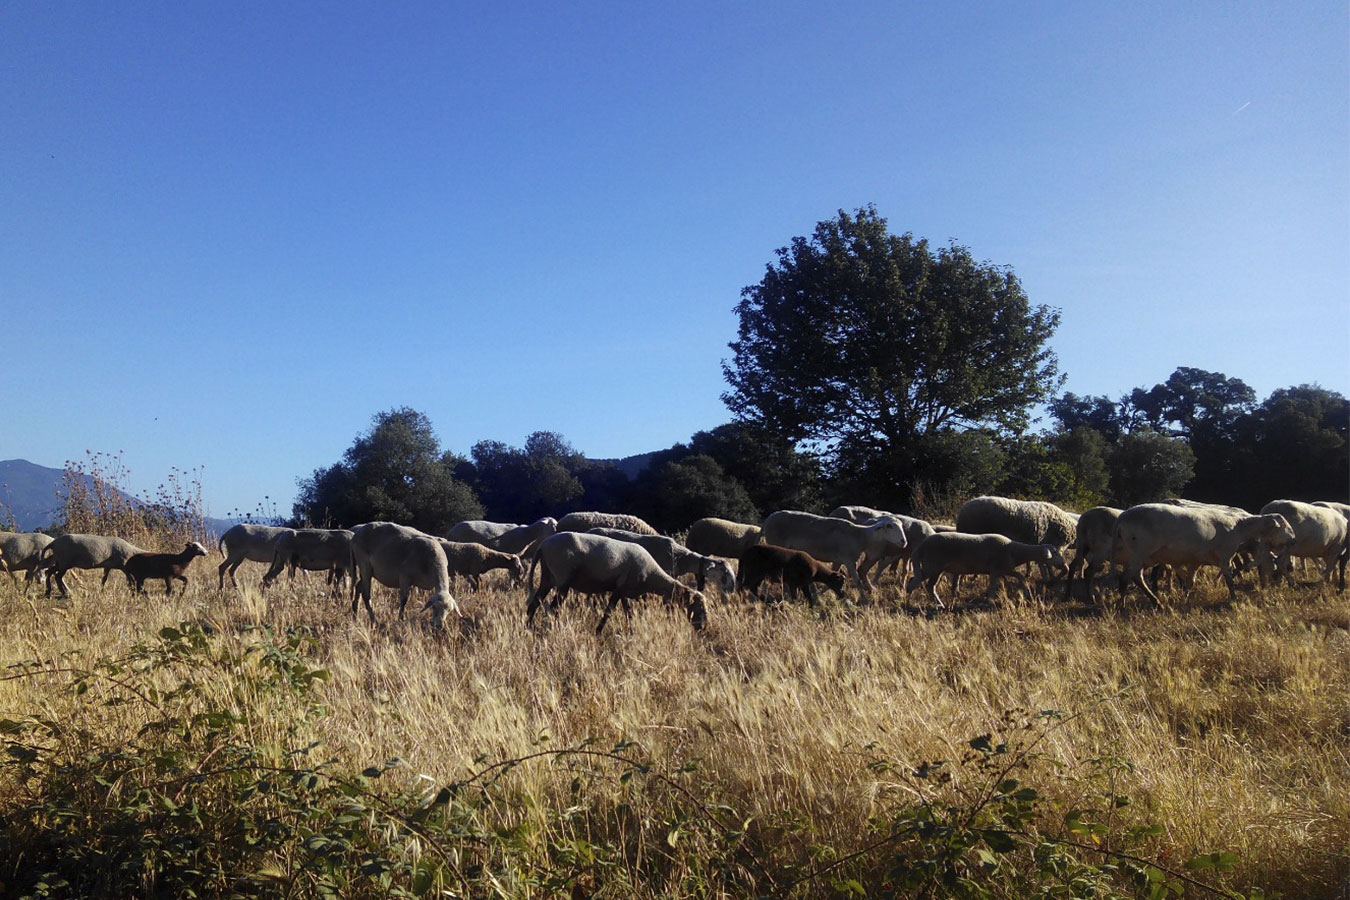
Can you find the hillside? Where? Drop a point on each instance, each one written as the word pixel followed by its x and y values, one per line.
pixel 32 496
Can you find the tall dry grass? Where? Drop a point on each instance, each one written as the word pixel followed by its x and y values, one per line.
pixel 1226 724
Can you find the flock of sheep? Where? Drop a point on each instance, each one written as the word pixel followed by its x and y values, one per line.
pixel 624 558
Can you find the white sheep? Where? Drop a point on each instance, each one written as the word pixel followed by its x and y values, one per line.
pixel 473 560
pixel 1201 504
pixel 314 550
pixel 84 551
pixel 585 521
pixel 1344 510
pixel 246 541
pixel 522 539
pixel 592 564
pixel 1025 521
pixel 721 537
pixel 1092 545
pixel 19 552
pixel 915 531
pixel 958 553
pixel 1186 538
pixel 168 566
pixel 836 541
pixel 401 557
pixel 676 559
pixel 1320 532
pixel 477 531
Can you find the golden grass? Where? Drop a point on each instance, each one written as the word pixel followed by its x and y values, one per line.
pixel 1234 719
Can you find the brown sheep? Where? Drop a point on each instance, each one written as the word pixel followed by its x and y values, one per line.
pixel 797 571
pixel 169 566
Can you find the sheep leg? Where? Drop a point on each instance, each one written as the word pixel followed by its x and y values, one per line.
pixel 537 595
pixel 1227 571
pixel 865 569
pixel 58 576
pixel 1074 565
pixel 1138 579
pixel 272 572
pixel 932 590
pixel 864 590
pixel 361 592
pixel 609 608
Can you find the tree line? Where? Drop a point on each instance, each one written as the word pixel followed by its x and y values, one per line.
pixel 871 367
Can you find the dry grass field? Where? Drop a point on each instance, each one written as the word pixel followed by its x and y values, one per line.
pixel 782 752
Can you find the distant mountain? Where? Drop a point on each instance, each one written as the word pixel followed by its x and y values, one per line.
pixel 33 496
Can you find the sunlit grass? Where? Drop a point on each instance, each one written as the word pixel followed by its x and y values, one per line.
pixel 1231 721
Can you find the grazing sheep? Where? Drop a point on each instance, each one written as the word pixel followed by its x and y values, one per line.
pixel 84 551
pixel 1342 508
pixel 19 552
pixel 915 531
pixel 522 539
pixel 592 564
pixel 1188 537
pixel 1025 521
pixel 477 531
pixel 401 557
pixel 472 560
pixel 721 537
pixel 798 572
pixel 959 553
pixel 676 559
pixel 169 566
pixel 1092 545
pixel 585 521
pixel 1320 533
pixel 836 541
pixel 314 550
pixel 1200 504
pixel 246 541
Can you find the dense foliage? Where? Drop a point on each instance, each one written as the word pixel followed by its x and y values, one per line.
pixel 394 472
pixel 871 346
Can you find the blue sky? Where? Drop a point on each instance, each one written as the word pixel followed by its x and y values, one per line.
pixel 233 232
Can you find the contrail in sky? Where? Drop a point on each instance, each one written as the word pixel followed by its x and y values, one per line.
pixel 1242 107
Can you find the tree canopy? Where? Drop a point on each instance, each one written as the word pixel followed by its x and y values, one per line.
pixel 864 341
pixel 522 484
pixel 395 472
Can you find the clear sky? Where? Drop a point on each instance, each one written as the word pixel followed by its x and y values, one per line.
pixel 233 232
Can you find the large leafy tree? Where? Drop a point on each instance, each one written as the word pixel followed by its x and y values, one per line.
pixel 1295 445
pixel 774 473
pixel 1146 466
pixel 521 484
pixel 673 493
pixel 863 341
pixel 394 472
